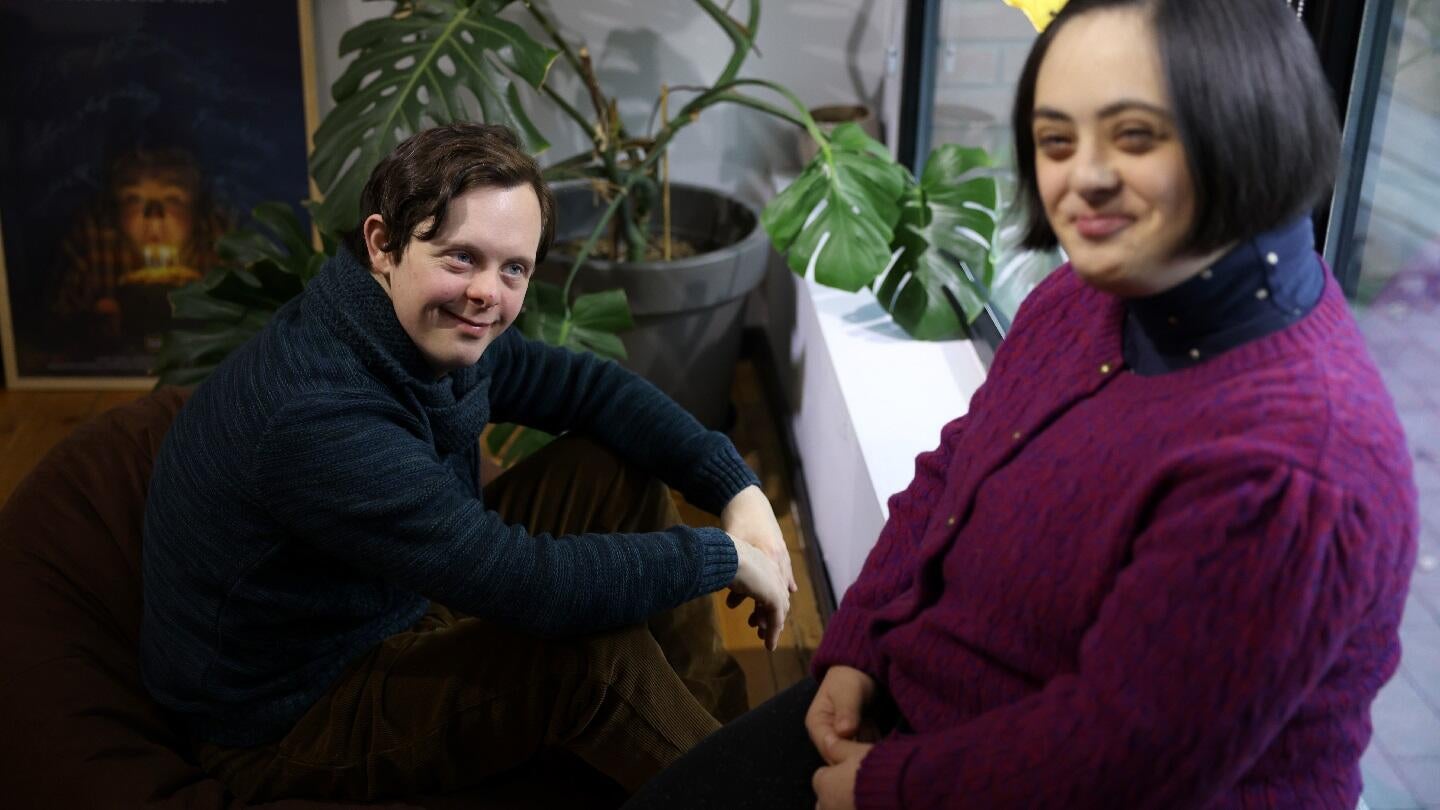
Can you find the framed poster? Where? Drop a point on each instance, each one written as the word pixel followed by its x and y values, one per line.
pixel 134 133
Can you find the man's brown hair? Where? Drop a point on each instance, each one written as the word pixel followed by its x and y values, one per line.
pixel 416 182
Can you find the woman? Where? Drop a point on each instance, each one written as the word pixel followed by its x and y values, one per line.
pixel 1162 561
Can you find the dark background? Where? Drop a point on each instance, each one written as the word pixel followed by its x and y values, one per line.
pixel 86 80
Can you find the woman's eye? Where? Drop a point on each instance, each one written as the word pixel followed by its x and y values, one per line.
pixel 1136 137
pixel 1052 143
pixel 515 269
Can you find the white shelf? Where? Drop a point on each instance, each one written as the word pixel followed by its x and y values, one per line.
pixel 867 399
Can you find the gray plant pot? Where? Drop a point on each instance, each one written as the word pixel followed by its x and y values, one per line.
pixel 688 312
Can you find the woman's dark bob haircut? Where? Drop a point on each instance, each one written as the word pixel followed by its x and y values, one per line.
pixel 1251 104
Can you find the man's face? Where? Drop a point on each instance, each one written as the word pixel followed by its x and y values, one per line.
pixel 156 215
pixel 455 294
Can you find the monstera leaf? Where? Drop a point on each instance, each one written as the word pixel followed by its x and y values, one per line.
pixel 856 214
pixel 949 217
pixel 509 442
pixel 590 325
pixel 839 216
pixel 409 72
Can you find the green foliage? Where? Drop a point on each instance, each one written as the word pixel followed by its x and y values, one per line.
pixel 592 323
pixel 420 62
pixel 508 442
pixel 854 213
pixel 840 214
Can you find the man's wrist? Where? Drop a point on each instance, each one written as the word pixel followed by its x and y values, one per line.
pixel 746 500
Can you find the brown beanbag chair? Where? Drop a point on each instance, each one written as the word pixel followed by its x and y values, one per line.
pixel 77 728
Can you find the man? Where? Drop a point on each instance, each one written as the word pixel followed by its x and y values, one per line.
pixel 320 489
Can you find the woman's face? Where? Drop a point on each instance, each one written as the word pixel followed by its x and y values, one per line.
pixel 1111 170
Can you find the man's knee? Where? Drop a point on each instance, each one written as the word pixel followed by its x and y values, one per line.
pixel 622 482
pixel 607 655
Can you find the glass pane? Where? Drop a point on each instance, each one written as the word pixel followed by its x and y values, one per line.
pixel 1396 244
pixel 981 50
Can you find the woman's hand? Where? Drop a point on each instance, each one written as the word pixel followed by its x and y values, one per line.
pixel 758 578
pixel 749 518
pixel 835 784
pixel 837 713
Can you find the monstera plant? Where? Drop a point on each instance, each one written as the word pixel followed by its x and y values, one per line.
pixel 853 218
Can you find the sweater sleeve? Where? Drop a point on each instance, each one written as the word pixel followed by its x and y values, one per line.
pixel 556 389
pixel 353 477
pixel 891 565
pixel 1244 586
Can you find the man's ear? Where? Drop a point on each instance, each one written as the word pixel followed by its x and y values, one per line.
pixel 375 233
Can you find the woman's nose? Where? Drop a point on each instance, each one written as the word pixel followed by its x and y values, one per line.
pixel 1095 179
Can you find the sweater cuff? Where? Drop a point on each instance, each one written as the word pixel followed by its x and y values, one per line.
pixel 718 561
pixel 877 785
pixel 721 476
pixel 846 642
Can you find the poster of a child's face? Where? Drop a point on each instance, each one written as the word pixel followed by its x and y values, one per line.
pixel 156 208
pixel 140 134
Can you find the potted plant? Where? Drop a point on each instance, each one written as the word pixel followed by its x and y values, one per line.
pixel 853 218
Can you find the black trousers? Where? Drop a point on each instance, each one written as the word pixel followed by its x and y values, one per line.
pixel 763 760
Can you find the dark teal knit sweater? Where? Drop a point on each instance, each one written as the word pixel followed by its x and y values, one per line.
pixel 320 488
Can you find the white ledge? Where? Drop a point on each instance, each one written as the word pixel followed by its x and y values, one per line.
pixel 869 399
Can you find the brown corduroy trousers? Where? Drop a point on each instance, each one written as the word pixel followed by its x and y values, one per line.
pixel 456 699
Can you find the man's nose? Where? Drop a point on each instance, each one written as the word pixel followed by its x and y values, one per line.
pixel 484 287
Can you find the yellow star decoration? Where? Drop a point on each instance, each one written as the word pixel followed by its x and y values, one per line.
pixel 1040 12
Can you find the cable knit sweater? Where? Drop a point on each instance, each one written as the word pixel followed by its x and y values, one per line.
pixel 1107 590
pixel 320 487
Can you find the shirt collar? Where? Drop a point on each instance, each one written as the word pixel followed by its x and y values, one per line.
pixel 1259 287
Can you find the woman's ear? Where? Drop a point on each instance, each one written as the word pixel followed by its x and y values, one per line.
pixel 375 233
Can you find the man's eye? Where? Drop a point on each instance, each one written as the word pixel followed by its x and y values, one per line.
pixel 515 269
pixel 464 256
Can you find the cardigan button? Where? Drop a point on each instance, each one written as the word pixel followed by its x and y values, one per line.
pixel 1272 258
pixel 950 521
pixel 1015 435
pixel 1104 368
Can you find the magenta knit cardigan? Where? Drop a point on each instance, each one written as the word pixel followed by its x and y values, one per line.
pixel 1109 590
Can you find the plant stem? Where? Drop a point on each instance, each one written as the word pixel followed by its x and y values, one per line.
pixel 665 171
pixel 589 246
pixel 743 37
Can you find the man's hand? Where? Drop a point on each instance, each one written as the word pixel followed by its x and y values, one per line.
pixel 838 710
pixel 749 518
pixel 835 784
pixel 756 577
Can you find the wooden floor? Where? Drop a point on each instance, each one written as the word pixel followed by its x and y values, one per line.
pixel 32 422
pixel 758 439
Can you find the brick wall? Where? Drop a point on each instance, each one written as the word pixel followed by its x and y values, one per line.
pixel 983 44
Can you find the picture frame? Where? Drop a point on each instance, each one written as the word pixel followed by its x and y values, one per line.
pixel 133 134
